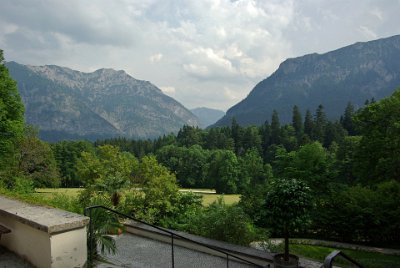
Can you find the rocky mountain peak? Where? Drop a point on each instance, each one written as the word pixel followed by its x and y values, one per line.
pixel 65 103
pixel 353 73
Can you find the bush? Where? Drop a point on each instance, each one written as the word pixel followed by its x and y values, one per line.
pixel 226 223
pixel 23 186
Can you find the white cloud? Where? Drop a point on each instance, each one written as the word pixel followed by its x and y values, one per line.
pixel 208 53
pixel 168 90
pixel 156 57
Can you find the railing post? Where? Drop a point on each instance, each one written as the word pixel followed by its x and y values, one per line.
pixel 227 261
pixel 172 251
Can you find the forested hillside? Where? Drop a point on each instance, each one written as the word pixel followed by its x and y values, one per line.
pixel 351 166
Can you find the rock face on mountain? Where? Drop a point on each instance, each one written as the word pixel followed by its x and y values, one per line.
pixel 207 116
pixel 354 73
pixel 67 104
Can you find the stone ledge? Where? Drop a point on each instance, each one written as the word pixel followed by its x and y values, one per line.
pixel 49 220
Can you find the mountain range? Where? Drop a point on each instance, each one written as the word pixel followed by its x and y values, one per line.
pixel 207 116
pixel 68 104
pixel 354 73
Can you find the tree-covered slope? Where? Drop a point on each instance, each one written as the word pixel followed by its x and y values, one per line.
pixel 67 104
pixel 354 73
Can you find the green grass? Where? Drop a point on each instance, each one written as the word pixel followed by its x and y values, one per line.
pixel 229 199
pixel 368 259
pixel 48 192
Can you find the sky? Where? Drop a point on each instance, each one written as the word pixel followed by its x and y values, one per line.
pixel 203 53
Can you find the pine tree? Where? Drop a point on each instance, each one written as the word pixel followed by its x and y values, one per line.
pixel 308 124
pixel 297 121
pixel 275 128
pixel 347 119
pixel 319 124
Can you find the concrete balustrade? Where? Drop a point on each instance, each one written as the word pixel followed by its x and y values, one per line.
pixel 45 237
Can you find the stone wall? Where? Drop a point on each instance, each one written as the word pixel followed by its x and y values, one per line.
pixel 45 237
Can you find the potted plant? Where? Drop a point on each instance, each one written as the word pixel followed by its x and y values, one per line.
pixel 288 203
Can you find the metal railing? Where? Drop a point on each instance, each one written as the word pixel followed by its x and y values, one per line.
pixel 329 259
pixel 88 212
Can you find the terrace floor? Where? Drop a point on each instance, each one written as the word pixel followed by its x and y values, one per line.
pixel 10 260
pixel 136 251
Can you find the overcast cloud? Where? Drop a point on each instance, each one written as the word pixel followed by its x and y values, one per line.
pixel 203 53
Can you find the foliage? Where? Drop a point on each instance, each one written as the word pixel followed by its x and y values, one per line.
pixel 23 186
pixel 189 164
pixel 223 171
pixel 311 164
pixel 360 214
pixel 108 170
pixel 158 194
pixel 11 121
pixel 288 205
pixel 36 160
pixel 103 223
pixel 379 149
pixel 222 222
pixel 67 154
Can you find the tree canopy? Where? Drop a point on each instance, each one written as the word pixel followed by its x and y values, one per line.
pixel 11 118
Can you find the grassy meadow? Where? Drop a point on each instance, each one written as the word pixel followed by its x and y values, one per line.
pixel 209 195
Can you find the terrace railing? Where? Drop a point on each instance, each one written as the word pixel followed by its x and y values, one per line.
pixel 228 256
pixel 329 259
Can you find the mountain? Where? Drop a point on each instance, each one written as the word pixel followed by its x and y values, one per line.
pixel 207 116
pixel 68 104
pixel 354 73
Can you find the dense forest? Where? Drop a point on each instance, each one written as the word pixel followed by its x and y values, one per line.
pixel 352 167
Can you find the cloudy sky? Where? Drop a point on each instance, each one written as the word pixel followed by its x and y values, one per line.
pixel 201 52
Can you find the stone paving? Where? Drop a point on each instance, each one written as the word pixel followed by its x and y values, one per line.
pixel 140 252
pixel 10 260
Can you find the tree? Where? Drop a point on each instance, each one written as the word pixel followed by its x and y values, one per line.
pixel 158 195
pixel 297 122
pixel 36 160
pixel 319 124
pixel 67 154
pixel 237 133
pixel 11 120
pixel 218 138
pixel 347 119
pixel 288 205
pixel 308 124
pixel 107 170
pixel 311 164
pixel 251 139
pixel 275 128
pixel 378 155
pixel 188 136
pixel 251 170
pixel 223 171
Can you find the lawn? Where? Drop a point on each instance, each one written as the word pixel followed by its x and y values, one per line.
pixel 368 259
pixel 48 192
pixel 208 196
pixel 229 199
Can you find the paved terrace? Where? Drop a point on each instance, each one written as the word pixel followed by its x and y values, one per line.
pixel 139 251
